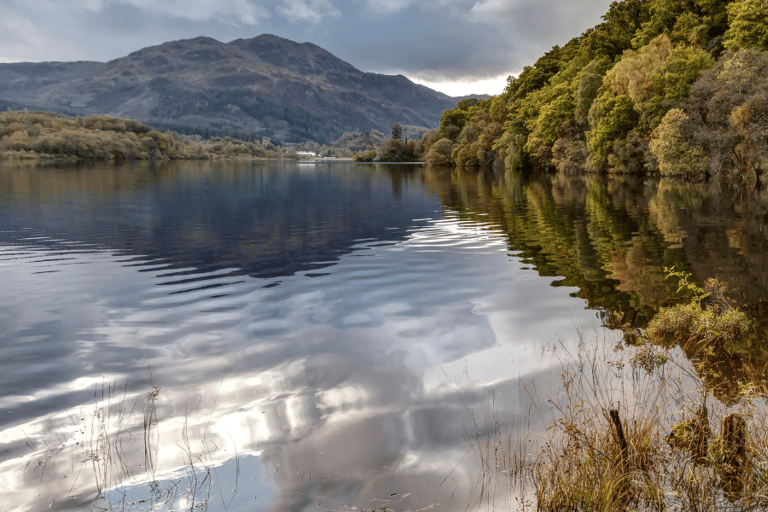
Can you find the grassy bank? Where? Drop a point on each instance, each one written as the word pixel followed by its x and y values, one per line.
pixel 639 426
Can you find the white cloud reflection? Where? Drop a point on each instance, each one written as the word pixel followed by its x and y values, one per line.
pixel 284 375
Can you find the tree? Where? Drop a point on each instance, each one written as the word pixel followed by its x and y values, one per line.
pixel 615 34
pixel 397 132
pixel 440 153
pixel 454 119
pixel 748 20
pixel 729 108
pixel 673 149
pixel 590 80
pixel 610 118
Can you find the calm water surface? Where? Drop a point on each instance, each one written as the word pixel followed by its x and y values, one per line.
pixel 314 336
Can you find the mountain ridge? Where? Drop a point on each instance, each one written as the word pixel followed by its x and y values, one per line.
pixel 266 86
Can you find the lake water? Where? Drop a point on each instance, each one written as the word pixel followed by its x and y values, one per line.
pixel 316 336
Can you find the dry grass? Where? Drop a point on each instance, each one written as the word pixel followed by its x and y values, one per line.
pixel 634 428
pixel 115 446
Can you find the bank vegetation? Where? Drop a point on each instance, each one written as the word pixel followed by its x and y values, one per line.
pixel 398 148
pixel 677 87
pixel 637 426
pixel 53 137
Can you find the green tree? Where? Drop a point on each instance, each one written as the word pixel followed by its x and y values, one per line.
pixel 619 26
pixel 397 132
pixel 673 147
pixel 610 118
pixel 590 79
pixel 440 153
pixel 748 25
pixel 534 77
pixel 554 113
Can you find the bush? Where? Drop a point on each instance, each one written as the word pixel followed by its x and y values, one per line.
pixel 686 324
pixel 440 153
pixel 673 149
pixel 365 156
pixel 707 322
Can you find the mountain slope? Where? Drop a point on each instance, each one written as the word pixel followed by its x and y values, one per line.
pixel 268 86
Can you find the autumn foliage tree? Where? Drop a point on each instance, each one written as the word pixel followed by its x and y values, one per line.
pixel 638 79
pixel 45 135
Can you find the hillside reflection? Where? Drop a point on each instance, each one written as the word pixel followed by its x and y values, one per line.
pixel 613 238
pixel 336 333
pixel 263 219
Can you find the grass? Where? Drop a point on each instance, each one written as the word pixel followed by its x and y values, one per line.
pixel 115 447
pixel 638 427
pixel 619 437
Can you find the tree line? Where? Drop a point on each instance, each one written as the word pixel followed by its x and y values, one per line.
pixel 398 148
pixel 674 86
pixel 46 135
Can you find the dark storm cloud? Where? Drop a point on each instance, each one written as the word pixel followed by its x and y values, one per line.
pixel 434 40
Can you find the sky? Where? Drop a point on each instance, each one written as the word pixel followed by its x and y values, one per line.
pixel 455 46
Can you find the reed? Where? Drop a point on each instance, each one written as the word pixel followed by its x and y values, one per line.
pixel 114 448
pixel 638 427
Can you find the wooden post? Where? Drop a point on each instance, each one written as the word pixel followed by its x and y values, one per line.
pixel 735 453
pixel 621 466
pixel 700 436
pixel 620 436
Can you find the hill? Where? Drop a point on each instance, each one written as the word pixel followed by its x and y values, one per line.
pixel 674 87
pixel 266 87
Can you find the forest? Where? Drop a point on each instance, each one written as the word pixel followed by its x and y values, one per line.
pixel 47 136
pixel 675 87
pixel 43 136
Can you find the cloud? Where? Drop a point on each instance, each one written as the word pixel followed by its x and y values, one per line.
pixel 389 6
pixel 307 10
pixel 431 41
pixel 93 5
pixel 541 19
pixel 466 87
pixel 471 40
pixel 25 40
pixel 435 41
pixel 237 11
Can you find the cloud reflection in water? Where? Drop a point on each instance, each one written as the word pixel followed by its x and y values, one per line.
pixel 363 377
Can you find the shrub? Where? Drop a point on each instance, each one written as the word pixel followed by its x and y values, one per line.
pixel 708 321
pixel 440 153
pixel 673 149
pixel 365 156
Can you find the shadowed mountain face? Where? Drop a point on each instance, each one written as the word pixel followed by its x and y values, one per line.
pixel 267 85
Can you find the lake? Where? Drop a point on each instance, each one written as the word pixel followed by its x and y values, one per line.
pixel 236 335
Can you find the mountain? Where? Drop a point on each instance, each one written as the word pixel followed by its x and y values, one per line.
pixel 266 86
